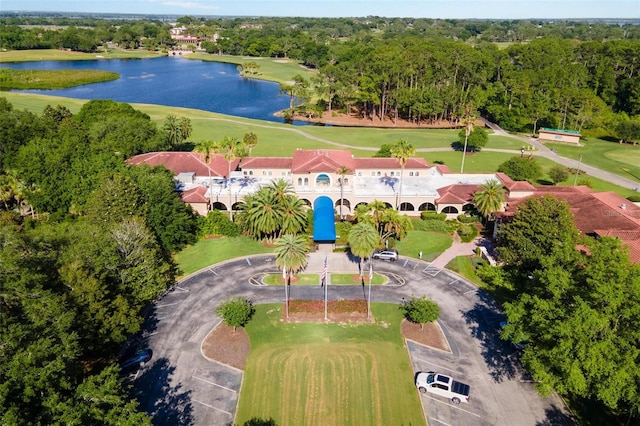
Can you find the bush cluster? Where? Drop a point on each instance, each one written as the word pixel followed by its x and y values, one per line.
pixel 217 223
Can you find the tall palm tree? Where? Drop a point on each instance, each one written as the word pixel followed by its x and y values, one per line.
pixel 401 151
pixel 291 255
pixel 263 213
pixel 250 140
pixel 208 149
pixel 490 198
pixel 363 240
pixel 234 148
pixel 342 172
pixel 172 131
pixel 395 224
pixel 185 128
pixel 6 190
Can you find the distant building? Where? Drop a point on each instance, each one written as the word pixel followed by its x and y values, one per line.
pixel 555 135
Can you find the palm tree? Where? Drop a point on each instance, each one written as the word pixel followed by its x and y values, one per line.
pixel 234 149
pixel 468 123
pixel 342 172
pixel 250 140
pixel 208 149
pixel 263 213
pixel 490 198
pixel 291 255
pixel 185 129
pixel 363 240
pixel 6 190
pixel 294 215
pixel 395 224
pixel 172 131
pixel 401 151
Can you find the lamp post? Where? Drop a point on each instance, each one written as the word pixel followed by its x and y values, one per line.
pixel 467 132
pixel 575 179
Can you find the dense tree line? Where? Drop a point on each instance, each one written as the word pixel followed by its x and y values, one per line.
pixel 575 300
pixel 85 244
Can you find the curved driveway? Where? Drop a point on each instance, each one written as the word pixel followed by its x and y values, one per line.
pixel 179 386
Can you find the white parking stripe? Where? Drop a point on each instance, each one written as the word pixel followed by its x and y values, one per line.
pixel 439 421
pixel 439 366
pixel 214 384
pixel 211 406
pixel 452 406
pixel 162 305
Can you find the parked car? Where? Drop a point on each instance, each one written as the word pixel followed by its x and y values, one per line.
pixel 138 358
pixel 442 385
pixel 391 255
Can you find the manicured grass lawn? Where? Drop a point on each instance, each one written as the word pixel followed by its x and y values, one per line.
pixel 278 70
pixel 463 266
pixel 328 374
pixel 352 279
pixel 51 79
pixel 63 55
pixel 430 243
pixel 208 252
pixel 621 159
pixel 301 279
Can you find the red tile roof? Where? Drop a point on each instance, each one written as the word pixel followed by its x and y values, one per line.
pixel 390 163
pixel 457 194
pixel 183 162
pixel 595 213
pixel 266 163
pixel 321 160
pixel 514 185
pixel 195 195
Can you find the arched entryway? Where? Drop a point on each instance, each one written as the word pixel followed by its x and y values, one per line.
pixel 218 206
pixel 424 207
pixel 407 207
pixel 324 225
pixel 346 207
pixel 450 210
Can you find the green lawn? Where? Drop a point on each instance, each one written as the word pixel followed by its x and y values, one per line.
pixel 463 266
pixel 51 79
pixel 328 374
pixel 430 243
pixel 208 252
pixel 272 69
pixel 351 279
pixel 300 279
pixel 63 55
pixel 621 159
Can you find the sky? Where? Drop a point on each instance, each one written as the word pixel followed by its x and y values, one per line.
pixel 455 9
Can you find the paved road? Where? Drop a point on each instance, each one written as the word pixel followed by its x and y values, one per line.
pixel 179 386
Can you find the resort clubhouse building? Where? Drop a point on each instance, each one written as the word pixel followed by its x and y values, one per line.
pixel 337 174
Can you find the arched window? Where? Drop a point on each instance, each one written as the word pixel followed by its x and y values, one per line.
pixel 323 180
pixel 306 181
pixel 299 181
pixel 449 210
pixel 378 174
pixel 417 173
pixel 392 173
pixel 410 173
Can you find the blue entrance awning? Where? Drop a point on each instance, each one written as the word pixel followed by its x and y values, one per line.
pixel 324 225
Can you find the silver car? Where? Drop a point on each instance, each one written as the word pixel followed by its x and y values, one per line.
pixel 391 255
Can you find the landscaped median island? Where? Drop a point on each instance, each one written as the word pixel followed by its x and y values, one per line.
pixel 317 373
pixel 334 279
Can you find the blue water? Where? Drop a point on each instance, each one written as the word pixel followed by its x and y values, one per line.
pixel 173 81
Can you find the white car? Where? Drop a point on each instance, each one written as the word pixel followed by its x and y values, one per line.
pixel 442 385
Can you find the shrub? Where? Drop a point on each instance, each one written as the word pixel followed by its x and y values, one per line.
pixel 467 233
pixel 420 310
pixel 634 198
pixel 521 168
pixel 430 214
pixel 236 312
pixel 217 223
pixel 468 218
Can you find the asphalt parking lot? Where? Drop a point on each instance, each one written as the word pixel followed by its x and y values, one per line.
pixel 179 386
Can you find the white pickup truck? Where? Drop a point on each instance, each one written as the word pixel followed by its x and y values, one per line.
pixel 442 385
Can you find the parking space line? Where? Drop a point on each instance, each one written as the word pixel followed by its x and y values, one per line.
pixel 452 406
pixel 470 291
pixel 439 421
pixel 405 263
pixel 248 261
pixel 162 305
pixel 211 406
pixel 215 384
pixel 182 290
pixel 212 271
pixel 439 366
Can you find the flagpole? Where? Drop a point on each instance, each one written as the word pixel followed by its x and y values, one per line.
pixel 286 291
pixel 370 279
pixel 324 283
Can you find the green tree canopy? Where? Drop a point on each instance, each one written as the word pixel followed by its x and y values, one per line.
pixel 420 310
pixel 521 168
pixel 236 312
pixel 477 139
pixel 489 198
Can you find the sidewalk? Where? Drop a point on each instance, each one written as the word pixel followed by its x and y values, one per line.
pixel 461 249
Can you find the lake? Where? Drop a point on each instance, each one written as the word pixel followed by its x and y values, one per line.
pixel 174 81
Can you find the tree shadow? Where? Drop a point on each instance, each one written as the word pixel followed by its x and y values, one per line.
pixel 389 181
pixel 557 417
pixel 500 357
pixel 166 404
